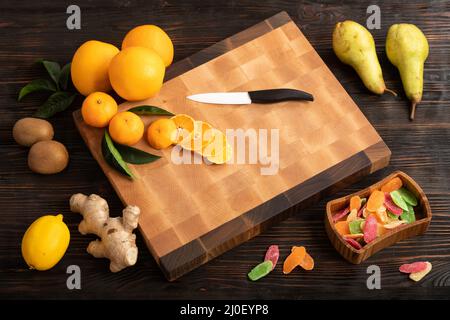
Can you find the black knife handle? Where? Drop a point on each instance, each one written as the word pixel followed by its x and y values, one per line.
pixel 279 95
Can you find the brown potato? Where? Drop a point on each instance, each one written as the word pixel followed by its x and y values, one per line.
pixel 28 131
pixel 48 157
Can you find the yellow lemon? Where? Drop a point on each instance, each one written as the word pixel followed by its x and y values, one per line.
pixel 126 128
pixel 98 108
pixel 161 133
pixel 89 68
pixel 45 242
pixel 136 73
pixel 152 37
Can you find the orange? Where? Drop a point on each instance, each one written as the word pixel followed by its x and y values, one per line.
pixel 185 125
pixel 136 73
pixel 89 68
pixel 161 133
pixel 98 108
pixel 126 128
pixel 218 150
pixel 152 37
pixel 199 137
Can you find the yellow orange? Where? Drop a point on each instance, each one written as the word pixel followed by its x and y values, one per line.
pixel 184 124
pixel 126 128
pixel 89 68
pixel 152 37
pixel 161 133
pixel 136 73
pixel 98 109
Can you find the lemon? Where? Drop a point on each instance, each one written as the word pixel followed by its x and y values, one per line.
pixel 45 242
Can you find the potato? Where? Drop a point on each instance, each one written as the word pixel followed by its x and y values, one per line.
pixel 48 157
pixel 28 131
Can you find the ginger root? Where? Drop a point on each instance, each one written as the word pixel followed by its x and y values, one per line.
pixel 118 243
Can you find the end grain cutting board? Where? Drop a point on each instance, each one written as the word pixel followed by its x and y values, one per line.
pixel 193 213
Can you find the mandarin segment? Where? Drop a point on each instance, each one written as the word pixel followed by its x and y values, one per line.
pixel 198 138
pixel 184 124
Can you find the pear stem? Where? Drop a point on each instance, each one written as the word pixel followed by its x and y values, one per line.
pixel 413 110
pixel 391 91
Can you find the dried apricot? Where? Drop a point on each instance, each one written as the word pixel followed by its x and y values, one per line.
pixel 294 259
pixel 342 227
pixel 307 263
pixel 392 185
pixel 376 200
pixel 355 203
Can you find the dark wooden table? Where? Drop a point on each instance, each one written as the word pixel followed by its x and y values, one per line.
pixel 37 29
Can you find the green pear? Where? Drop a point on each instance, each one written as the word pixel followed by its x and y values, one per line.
pixel 354 45
pixel 407 49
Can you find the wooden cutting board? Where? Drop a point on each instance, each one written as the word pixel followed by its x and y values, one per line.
pixel 193 213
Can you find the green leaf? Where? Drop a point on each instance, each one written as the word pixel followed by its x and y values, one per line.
pixel 113 157
pixel 408 196
pixel 408 215
pixel 64 75
pixel 135 156
pixel 150 110
pixel 57 102
pixel 36 85
pixel 398 200
pixel 53 69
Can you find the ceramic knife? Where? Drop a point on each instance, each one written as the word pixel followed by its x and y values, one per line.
pixel 260 96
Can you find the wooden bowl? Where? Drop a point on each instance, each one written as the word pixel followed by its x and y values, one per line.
pixel 423 218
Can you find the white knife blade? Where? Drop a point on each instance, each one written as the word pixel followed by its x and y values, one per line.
pixel 222 98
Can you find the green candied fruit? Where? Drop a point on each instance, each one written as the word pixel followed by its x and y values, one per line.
pixel 408 215
pixel 391 215
pixel 398 200
pixel 408 196
pixel 355 226
pixel 261 270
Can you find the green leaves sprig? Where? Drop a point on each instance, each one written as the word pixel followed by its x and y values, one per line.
pixel 61 97
pixel 117 155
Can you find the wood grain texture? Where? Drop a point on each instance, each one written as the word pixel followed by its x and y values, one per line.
pixel 32 30
pixel 191 213
pixel 422 211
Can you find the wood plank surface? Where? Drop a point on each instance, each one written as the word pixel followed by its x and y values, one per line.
pixel 32 30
